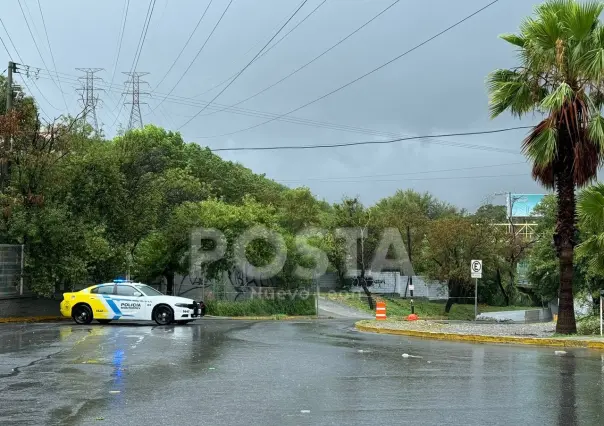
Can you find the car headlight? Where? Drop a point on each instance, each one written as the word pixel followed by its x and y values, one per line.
pixel 182 305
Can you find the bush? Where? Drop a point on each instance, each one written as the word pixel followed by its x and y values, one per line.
pixel 262 307
pixel 589 325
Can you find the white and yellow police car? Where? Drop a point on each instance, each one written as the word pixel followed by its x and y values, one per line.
pixel 126 300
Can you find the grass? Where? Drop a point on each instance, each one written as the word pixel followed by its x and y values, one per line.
pixel 279 309
pixel 400 308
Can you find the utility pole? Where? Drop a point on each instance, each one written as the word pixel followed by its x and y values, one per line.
pixel 9 86
pixel 136 118
pixel 410 276
pixel 88 98
pixel 7 139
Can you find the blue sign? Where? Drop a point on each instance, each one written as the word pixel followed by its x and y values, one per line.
pixel 523 205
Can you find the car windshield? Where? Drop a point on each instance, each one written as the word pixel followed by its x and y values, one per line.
pixel 149 291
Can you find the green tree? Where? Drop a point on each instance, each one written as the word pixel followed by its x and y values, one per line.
pixel 543 270
pixel 492 213
pixel 450 245
pixel 591 226
pixel 560 75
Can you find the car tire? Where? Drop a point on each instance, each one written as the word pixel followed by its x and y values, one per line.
pixel 163 315
pixel 104 321
pixel 82 314
pixel 183 322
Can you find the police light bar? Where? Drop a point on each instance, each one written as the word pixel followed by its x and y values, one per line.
pixel 120 280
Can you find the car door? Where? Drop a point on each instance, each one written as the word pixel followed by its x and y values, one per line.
pixel 101 303
pixel 130 302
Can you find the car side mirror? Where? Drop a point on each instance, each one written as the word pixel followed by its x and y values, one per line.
pixel 137 294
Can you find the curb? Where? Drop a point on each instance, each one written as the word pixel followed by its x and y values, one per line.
pixel 477 338
pixel 48 318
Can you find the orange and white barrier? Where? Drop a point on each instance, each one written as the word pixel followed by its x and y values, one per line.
pixel 380 311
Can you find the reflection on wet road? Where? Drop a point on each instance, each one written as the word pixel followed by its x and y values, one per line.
pixel 221 372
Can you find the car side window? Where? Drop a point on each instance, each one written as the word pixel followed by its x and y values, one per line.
pixel 125 290
pixel 104 289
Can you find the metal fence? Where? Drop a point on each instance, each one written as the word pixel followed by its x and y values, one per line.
pixel 11 270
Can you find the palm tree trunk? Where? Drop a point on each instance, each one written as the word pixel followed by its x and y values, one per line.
pixel 565 233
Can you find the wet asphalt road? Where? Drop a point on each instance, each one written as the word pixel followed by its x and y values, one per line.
pixel 225 372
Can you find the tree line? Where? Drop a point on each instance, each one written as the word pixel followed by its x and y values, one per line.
pixel 89 209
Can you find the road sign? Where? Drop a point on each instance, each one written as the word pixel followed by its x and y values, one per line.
pixel 476 268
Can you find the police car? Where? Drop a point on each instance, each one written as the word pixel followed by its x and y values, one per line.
pixel 126 300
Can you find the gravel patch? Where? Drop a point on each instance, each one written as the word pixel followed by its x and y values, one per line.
pixel 543 329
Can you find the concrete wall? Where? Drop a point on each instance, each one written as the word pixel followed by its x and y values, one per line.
pixel 28 306
pixel 526 316
pixel 394 283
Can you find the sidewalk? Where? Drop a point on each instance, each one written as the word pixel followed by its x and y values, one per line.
pixel 329 308
pixel 538 334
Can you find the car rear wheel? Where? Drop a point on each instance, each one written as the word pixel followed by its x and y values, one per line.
pixel 104 321
pixel 163 315
pixel 183 322
pixel 82 314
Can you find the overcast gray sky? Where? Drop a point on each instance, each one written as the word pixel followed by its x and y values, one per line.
pixel 439 88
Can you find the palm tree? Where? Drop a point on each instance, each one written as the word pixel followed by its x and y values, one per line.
pixel 561 53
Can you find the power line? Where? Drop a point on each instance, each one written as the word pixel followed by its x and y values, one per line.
pixel 143 37
pixel 433 138
pixel 428 178
pixel 292 30
pixel 338 127
pixel 24 82
pixel 52 57
pixel 339 145
pixel 39 91
pixel 309 62
pixel 248 64
pixel 198 53
pixel 6 48
pixel 184 47
pixel 255 113
pixel 336 178
pixel 36 45
pixel 120 39
pixel 356 79
pixel 266 51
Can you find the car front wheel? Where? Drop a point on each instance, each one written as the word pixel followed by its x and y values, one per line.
pixel 163 315
pixel 82 314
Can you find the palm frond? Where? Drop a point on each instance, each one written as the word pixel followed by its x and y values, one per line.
pixel 590 208
pixel 595 131
pixel 543 32
pixel 553 6
pixel 509 90
pixel 578 20
pixel 589 57
pixel 592 251
pixel 513 39
pixel 540 147
pixel 563 94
